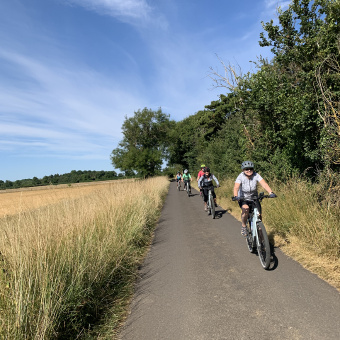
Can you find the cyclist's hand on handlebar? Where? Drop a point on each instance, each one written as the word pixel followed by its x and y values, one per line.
pixel 272 195
pixel 235 198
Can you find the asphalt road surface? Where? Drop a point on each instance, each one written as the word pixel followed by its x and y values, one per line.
pixel 199 281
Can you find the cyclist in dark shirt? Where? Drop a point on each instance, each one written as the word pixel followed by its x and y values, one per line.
pixel 206 183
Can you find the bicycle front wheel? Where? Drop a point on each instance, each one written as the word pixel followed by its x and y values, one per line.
pixel 212 204
pixel 263 246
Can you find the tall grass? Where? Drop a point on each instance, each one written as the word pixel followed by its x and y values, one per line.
pixel 61 264
pixel 304 219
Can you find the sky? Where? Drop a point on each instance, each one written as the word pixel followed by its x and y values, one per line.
pixel 71 71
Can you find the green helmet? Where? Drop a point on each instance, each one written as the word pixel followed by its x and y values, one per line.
pixel 202 165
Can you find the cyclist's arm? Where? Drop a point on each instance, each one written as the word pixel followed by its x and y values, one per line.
pixel 265 186
pixel 236 188
pixel 199 182
pixel 216 180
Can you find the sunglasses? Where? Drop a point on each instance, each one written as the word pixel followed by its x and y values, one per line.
pixel 248 169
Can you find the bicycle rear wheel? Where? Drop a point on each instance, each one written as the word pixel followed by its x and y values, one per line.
pixel 250 244
pixel 187 189
pixel 212 205
pixel 263 246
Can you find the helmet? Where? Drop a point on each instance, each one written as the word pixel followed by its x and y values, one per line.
pixel 178 172
pixel 207 169
pixel 202 165
pixel 247 164
pixel 185 171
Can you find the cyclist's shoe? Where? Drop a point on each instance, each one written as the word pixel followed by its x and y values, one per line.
pixel 216 205
pixel 205 209
pixel 244 231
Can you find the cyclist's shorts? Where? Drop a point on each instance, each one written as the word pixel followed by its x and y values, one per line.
pixel 206 192
pixel 250 205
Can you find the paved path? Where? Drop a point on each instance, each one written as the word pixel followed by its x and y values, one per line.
pixel 199 281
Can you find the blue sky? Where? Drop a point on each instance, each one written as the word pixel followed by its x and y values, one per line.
pixel 71 70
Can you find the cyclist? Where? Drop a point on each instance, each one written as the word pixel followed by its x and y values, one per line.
pixel 178 178
pixel 186 178
pixel 245 187
pixel 206 183
pixel 200 174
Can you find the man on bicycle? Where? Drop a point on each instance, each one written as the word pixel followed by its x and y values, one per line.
pixel 178 178
pixel 206 183
pixel 186 178
pixel 245 187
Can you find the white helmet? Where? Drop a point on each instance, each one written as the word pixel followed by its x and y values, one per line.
pixel 185 171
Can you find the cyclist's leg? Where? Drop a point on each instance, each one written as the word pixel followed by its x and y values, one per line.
pixel 245 212
pixel 214 195
pixel 205 192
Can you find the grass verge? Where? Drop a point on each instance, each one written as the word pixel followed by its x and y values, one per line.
pixel 65 265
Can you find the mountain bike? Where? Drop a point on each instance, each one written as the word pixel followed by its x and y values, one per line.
pixel 257 238
pixel 211 204
pixel 187 188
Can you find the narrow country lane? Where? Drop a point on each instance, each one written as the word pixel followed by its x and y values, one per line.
pixel 199 281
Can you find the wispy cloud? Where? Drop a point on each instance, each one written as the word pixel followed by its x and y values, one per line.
pixel 270 4
pixel 126 10
pixel 62 108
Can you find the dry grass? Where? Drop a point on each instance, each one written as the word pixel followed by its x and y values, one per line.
pixel 14 201
pixel 304 221
pixel 63 263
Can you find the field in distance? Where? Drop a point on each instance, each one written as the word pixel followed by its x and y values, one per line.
pixel 14 201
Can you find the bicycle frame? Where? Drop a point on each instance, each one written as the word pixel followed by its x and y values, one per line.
pixel 254 218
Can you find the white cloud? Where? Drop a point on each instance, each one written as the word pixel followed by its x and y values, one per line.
pixel 62 107
pixel 128 9
pixel 270 4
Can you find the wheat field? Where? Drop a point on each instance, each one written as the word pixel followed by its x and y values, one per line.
pixel 65 253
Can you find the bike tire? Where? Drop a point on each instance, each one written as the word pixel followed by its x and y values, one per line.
pixel 188 192
pixel 249 239
pixel 263 246
pixel 209 206
pixel 212 204
pixel 179 187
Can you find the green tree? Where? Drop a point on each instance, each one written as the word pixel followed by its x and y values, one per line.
pixel 145 143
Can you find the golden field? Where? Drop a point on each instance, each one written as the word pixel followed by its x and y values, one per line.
pixel 68 255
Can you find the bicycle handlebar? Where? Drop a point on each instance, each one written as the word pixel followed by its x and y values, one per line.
pixel 260 197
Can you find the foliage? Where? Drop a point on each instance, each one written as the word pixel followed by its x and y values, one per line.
pixel 145 142
pixel 284 117
pixel 67 178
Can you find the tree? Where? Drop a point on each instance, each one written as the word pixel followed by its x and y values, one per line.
pixel 145 143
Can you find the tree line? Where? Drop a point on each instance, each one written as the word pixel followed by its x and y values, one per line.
pixel 284 117
pixel 67 178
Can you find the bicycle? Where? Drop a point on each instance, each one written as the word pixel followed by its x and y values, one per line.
pixel 257 238
pixel 178 185
pixel 187 188
pixel 211 204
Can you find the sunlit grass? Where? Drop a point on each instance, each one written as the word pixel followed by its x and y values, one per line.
pixel 62 263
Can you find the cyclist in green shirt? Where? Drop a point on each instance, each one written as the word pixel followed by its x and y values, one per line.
pixel 186 178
